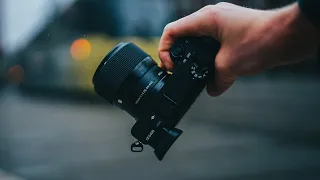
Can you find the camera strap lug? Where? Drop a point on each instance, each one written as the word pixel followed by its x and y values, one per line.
pixel 136 146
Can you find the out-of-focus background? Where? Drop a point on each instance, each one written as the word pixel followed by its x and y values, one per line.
pixel 54 127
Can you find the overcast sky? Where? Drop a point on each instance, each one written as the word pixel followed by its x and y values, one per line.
pixel 24 18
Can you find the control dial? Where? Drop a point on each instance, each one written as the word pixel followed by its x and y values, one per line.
pixel 199 72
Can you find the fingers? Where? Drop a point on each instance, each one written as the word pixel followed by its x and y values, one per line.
pixel 220 85
pixel 162 66
pixel 199 23
pixel 223 78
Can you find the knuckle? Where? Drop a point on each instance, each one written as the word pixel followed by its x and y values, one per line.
pixel 212 11
pixel 169 27
pixel 223 4
pixel 207 7
pixel 222 66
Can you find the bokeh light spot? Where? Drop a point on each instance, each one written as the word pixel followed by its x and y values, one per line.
pixel 80 49
pixel 15 75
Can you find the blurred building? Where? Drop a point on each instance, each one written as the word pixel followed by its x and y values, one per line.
pixel 146 19
pixel 1 33
pixel 22 21
pixel 1 46
pixel 48 64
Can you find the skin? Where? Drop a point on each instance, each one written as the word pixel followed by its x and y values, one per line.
pixel 252 41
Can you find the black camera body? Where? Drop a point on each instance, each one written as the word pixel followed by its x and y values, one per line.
pixel 155 98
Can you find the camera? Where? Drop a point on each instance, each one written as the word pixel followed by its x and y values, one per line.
pixel 131 80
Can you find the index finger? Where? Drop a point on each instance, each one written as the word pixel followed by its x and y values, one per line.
pixel 199 23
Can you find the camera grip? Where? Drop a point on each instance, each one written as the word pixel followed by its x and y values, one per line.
pixel 193 59
pixel 194 67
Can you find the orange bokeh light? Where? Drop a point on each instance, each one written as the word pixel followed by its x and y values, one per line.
pixel 15 75
pixel 80 49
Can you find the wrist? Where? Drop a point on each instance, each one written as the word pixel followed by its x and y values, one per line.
pixel 295 34
pixel 295 22
pixel 299 23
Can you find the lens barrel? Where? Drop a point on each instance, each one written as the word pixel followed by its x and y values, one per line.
pixel 130 79
pixel 115 68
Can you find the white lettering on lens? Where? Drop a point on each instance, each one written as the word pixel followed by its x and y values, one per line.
pixel 159 123
pixel 143 92
pixel 150 134
pixel 160 73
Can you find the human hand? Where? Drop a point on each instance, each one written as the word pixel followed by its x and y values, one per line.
pixel 251 40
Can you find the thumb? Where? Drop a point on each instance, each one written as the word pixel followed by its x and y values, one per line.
pixel 199 23
pixel 223 78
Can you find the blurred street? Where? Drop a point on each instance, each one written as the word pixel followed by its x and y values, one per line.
pixel 263 128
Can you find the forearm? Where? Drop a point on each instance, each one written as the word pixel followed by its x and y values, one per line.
pixel 297 22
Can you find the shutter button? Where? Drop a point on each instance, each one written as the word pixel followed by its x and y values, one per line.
pixel 177 51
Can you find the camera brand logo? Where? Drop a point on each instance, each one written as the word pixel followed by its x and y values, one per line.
pixel 144 92
pixel 150 134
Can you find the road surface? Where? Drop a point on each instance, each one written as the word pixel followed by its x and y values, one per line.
pixel 266 129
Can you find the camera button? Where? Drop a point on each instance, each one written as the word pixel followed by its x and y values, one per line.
pixel 177 51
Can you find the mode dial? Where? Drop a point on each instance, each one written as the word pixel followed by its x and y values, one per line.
pixel 199 72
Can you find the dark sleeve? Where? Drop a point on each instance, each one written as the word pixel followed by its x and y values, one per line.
pixel 311 10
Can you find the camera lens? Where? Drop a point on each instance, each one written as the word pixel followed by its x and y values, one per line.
pixel 129 78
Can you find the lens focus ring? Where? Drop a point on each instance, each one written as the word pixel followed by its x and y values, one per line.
pixel 115 68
